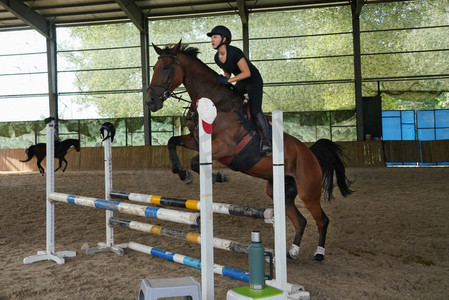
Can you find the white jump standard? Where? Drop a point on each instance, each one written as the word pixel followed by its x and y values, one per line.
pixel 49 253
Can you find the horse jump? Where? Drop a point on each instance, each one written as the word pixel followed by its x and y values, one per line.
pixel 308 171
pixel 111 206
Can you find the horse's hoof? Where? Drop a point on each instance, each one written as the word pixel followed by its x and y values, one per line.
pixel 289 257
pixel 221 177
pixel 318 257
pixel 186 177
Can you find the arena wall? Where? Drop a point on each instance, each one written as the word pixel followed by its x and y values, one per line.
pixel 358 154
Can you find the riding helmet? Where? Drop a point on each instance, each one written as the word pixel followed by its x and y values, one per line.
pixel 223 31
pixel 107 130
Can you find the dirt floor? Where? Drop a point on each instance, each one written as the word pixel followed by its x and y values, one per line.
pixel 389 240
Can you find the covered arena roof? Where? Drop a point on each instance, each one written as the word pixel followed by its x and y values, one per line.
pixel 38 14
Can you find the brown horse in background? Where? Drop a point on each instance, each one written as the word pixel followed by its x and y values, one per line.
pixel 307 171
pixel 40 151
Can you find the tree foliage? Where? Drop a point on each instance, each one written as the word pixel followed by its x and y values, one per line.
pixel 305 57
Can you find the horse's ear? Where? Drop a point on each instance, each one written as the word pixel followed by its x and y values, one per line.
pixel 157 49
pixel 176 48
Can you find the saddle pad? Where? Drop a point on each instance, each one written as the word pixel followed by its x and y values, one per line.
pixel 246 155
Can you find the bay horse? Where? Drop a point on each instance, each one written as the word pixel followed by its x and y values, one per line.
pixel 40 151
pixel 307 171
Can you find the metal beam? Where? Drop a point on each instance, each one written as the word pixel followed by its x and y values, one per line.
pixel 133 12
pixel 243 13
pixel 145 64
pixel 52 72
pixel 356 9
pixel 27 15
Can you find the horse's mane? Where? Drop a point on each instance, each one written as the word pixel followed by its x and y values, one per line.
pixel 184 48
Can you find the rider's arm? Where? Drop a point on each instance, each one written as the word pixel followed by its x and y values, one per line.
pixel 226 74
pixel 244 69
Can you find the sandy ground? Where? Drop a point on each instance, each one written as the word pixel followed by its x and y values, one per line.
pixel 387 241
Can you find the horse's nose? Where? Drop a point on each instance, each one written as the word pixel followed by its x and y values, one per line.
pixel 152 103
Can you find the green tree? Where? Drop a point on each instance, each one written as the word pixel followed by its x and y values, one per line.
pixel 108 77
pixel 292 49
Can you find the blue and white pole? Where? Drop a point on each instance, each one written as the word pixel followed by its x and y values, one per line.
pixel 191 262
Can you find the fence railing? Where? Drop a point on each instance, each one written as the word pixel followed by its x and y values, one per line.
pixel 306 126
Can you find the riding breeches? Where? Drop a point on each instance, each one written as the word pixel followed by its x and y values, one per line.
pixel 254 88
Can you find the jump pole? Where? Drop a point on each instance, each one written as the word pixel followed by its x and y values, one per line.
pixel 192 237
pixel 265 214
pixel 49 253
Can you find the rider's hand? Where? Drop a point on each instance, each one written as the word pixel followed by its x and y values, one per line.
pixel 222 79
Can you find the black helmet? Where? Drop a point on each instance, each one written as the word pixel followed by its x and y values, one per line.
pixel 107 130
pixel 223 31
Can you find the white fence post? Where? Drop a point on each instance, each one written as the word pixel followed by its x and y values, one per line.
pixel 279 198
pixel 49 253
pixel 205 107
pixel 109 245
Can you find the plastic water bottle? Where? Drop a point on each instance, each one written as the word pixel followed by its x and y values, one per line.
pixel 257 255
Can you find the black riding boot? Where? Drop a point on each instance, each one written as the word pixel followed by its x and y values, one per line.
pixel 261 122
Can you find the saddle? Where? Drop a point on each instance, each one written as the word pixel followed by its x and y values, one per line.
pixel 247 152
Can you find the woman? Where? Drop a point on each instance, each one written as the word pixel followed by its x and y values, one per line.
pixel 232 61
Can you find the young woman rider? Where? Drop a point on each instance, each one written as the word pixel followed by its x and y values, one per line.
pixel 232 61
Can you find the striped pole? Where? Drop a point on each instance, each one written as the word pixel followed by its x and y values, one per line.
pixel 189 261
pixel 128 208
pixel 295 291
pixel 192 237
pixel 219 208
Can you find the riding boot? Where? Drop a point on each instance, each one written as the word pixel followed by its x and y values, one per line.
pixel 261 122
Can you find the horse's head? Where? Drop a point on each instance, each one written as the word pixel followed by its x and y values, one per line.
pixel 167 75
pixel 76 144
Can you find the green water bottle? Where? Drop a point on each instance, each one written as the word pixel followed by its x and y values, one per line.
pixel 257 255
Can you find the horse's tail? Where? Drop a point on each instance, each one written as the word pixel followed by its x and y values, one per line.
pixel 330 155
pixel 30 153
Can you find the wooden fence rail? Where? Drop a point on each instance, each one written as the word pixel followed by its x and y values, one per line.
pixel 358 154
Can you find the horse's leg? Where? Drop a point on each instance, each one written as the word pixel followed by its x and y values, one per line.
pixel 186 141
pixel 302 164
pixel 60 164
pixel 309 191
pixel 292 212
pixel 216 177
pixel 65 166
pixel 41 169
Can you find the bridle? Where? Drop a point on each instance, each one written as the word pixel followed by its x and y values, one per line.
pixel 166 90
